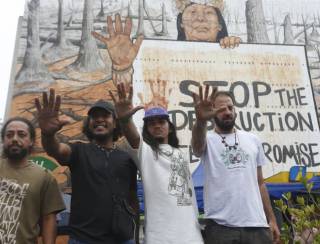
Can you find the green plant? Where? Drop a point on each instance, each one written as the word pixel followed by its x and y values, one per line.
pixel 302 216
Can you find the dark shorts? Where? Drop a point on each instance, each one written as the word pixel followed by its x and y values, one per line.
pixel 219 234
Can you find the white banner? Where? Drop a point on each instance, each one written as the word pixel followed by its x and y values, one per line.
pixel 271 84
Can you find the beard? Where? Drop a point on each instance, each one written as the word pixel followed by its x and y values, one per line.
pixel 225 126
pixel 101 137
pixel 15 155
pixel 160 140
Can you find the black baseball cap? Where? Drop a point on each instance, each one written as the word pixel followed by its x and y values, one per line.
pixel 108 106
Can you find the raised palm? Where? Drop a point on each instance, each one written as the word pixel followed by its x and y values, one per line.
pixel 121 49
pixel 123 104
pixel 159 94
pixel 204 106
pixel 48 113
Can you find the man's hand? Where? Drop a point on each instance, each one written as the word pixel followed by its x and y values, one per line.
pixel 230 42
pixel 204 104
pixel 121 49
pixel 123 104
pixel 274 232
pixel 48 113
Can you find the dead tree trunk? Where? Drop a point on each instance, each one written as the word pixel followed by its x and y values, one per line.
pixel 101 13
pixel 61 41
pixel 256 24
pixel 164 30
pixel 89 58
pixel 287 29
pixel 275 29
pixel 61 48
pixel 70 20
pixel 33 69
pixel 304 21
pixel 140 30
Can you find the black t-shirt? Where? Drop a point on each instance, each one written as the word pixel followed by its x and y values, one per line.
pixel 91 206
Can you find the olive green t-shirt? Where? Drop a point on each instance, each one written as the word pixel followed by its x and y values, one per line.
pixel 26 194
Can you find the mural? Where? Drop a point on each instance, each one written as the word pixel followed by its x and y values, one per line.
pixel 55 48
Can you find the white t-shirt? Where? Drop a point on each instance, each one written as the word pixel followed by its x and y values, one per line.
pixel 231 191
pixel 170 205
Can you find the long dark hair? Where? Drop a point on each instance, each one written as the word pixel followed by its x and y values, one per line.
pixel 116 134
pixel 153 143
pixel 221 34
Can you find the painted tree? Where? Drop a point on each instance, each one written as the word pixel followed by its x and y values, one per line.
pixel 164 30
pixel 140 30
pixel 89 58
pixel 33 69
pixel 287 29
pixel 61 48
pixel 101 12
pixel 256 23
pixel 72 10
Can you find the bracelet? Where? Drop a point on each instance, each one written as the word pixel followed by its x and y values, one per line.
pixel 122 71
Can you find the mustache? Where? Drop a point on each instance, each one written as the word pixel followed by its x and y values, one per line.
pixel 14 145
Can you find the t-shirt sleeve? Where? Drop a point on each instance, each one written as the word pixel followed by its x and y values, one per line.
pixel 261 158
pixel 140 149
pixel 74 154
pixel 124 145
pixel 51 199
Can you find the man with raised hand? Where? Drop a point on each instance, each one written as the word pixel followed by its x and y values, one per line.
pixel 170 204
pixel 236 201
pixel 103 176
pixel 29 195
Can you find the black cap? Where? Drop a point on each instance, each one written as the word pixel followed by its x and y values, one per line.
pixel 108 106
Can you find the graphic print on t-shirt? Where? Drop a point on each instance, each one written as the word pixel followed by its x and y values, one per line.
pixel 11 198
pixel 179 181
pixel 234 158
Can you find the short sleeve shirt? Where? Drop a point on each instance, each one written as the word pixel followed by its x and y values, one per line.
pixel 26 194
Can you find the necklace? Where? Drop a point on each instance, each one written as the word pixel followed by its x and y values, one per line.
pixel 227 146
pixel 167 152
pixel 107 151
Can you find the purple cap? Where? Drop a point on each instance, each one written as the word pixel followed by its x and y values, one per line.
pixel 155 112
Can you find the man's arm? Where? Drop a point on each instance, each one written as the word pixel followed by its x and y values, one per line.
pixel 60 151
pixel 198 140
pixel 125 110
pixel 267 207
pixel 49 229
pixel 130 132
pixel 204 109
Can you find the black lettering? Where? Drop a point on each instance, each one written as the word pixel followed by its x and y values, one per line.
pixel 300 96
pixel 293 119
pixel 174 116
pixel 307 123
pixel 257 93
pixel 245 93
pixel 280 91
pixel 184 89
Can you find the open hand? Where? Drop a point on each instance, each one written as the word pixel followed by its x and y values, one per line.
pixel 48 113
pixel 123 105
pixel 204 104
pixel 121 49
